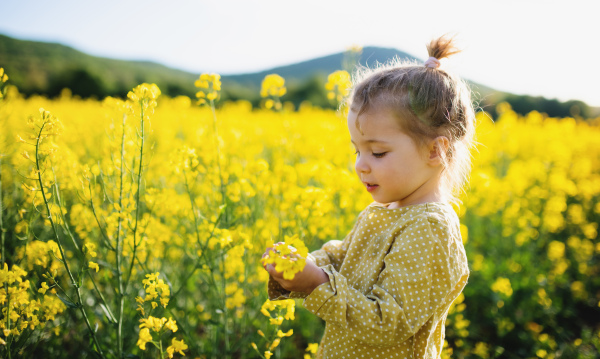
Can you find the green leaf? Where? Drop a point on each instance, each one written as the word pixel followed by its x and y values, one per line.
pixel 108 314
pixel 67 302
pixel 51 253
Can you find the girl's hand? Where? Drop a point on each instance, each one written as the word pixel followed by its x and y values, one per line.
pixel 305 281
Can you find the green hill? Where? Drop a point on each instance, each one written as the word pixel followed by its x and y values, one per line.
pixel 46 68
pixel 305 80
pixel 321 66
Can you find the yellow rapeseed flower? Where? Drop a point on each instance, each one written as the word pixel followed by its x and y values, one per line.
pixel 482 350
pixel 312 347
pixel 176 346
pixel 144 338
pixel 275 344
pixel 90 248
pixel 276 321
pixel 338 85
pixel 156 287
pixel 273 85
pixel 209 86
pixel 502 285
pixel 289 257
pixel 156 324
pixel 95 266
pixel 144 92
pixel 556 250
pixel 289 333
pixel 44 288
pixel 171 325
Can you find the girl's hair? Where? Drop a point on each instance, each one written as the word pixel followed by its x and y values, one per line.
pixel 428 102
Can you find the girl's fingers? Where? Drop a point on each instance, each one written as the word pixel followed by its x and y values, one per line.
pixel 268 250
pixel 269 267
pixel 278 276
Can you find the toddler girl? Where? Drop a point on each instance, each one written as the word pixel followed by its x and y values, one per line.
pixel 385 290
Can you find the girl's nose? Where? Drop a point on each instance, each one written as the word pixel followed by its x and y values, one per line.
pixel 361 165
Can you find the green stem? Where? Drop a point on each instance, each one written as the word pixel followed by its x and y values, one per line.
pixel 104 234
pixel 60 247
pixel 223 200
pixel 80 251
pixel 196 267
pixel 118 249
pixel 223 285
pixel 2 231
pixel 62 290
pixel 8 321
pixel 2 235
pixel 202 246
pixel 60 206
pixel 218 147
pixel 112 316
pixel 137 200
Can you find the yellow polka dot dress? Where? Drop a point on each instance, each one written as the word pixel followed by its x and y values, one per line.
pixel 391 283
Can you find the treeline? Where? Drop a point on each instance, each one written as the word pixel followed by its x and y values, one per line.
pixel 523 104
pixel 85 84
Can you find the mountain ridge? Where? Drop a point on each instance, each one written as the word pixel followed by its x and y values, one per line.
pixel 33 65
pixel 37 67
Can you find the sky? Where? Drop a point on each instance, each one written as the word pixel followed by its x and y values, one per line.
pixel 534 47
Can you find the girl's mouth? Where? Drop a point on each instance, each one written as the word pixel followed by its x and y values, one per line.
pixel 371 187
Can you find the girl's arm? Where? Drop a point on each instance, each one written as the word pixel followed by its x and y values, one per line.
pixel 419 281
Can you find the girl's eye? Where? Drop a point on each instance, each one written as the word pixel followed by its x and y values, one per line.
pixel 356 152
pixel 379 155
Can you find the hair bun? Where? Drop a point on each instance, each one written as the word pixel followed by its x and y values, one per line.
pixel 441 47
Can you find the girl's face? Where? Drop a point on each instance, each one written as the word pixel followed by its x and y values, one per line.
pixel 393 168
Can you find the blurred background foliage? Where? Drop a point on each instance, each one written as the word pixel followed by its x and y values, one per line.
pixel 46 68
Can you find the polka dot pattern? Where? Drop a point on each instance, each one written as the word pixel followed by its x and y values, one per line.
pixel 392 280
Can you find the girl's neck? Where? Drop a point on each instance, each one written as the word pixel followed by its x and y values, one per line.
pixel 430 191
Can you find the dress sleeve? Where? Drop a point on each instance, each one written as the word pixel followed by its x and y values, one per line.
pixel 424 271
pixel 331 253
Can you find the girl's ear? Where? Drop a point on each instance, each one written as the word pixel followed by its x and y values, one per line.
pixel 438 148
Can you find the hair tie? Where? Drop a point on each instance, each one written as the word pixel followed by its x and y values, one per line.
pixel 432 62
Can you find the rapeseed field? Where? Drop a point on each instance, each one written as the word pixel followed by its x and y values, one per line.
pixel 135 228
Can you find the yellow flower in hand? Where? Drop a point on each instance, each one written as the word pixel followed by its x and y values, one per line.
pixel 289 257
